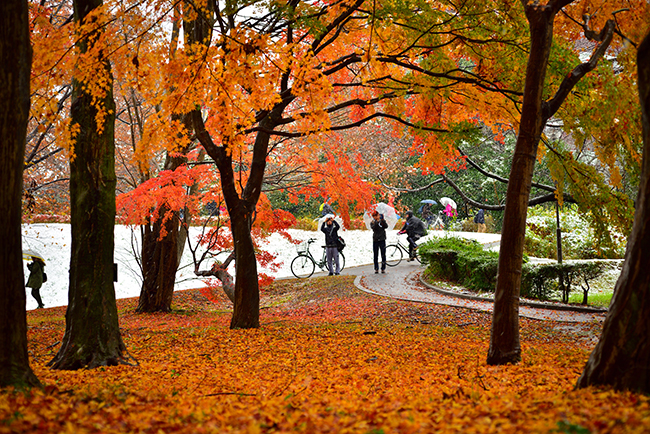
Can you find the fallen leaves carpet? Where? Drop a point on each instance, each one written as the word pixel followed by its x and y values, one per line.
pixel 326 359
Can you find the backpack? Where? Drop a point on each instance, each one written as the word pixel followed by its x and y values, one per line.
pixel 340 245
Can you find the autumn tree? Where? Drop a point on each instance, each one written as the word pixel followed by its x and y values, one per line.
pixel 536 110
pixel 622 355
pixel 46 169
pixel 92 336
pixel 15 67
pixel 300 70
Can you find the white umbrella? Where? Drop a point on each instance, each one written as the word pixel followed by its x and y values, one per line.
pixel 388 211
pixel 336 218
pixel 444 201
pixel 29 254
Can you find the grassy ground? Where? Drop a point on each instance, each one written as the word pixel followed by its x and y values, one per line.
pixel 326 359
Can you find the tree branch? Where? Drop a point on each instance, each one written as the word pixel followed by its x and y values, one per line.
pixel 551 106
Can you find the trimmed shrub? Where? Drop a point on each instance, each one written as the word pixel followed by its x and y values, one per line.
pixel 461 260
pixel 542 281
pixel 466 263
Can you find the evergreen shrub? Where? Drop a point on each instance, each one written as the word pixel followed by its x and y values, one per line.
pixel 465 262
pixel 460 260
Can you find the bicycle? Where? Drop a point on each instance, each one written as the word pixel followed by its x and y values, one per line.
pixel 303 265
pixel 395 253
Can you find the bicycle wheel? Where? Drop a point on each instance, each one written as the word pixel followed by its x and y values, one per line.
pixel 341 263
pixel 393 255
pixel 302 266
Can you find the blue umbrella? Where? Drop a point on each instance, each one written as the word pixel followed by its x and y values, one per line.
pixel 429 201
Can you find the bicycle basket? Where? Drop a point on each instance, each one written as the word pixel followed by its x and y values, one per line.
pixel 303 247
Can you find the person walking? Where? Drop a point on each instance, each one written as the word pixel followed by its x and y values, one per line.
pixel 331 230
pixel 414 229
pixel 379 226
pixel 35 280
pixel 479 219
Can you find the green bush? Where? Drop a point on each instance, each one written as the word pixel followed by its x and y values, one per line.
pixel 466 263
pixel 542 281
pixel 461 260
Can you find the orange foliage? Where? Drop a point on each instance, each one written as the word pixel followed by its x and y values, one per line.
pixel 326 359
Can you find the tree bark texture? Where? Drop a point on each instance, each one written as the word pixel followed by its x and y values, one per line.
pixel 15 67
pixel 159 264
pixel 92 336
pixel 504 341
pixel 621 358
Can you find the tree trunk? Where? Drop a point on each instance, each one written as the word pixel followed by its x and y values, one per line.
pixel 621 358
pixel 15 67
pixel 246 312
pixel 92 335
pixel 160 255
pixel 504 342
pixel 535 112
pixel 159 264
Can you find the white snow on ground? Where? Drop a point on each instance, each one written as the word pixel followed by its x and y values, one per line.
pixel 53 242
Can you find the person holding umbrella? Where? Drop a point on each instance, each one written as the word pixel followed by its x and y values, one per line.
pixel 36 278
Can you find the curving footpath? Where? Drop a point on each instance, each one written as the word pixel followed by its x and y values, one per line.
pixel 403 283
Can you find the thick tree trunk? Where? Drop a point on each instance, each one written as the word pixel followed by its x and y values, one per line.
pixel 246 313
pixel 159 264
pixel 92 335
pixel 621 358
pixel 15 67
pixel 504 342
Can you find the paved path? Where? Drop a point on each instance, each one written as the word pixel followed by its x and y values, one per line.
pixel 402 282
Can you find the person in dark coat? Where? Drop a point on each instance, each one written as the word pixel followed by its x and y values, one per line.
pixel 378 226
pixel 479 219
pixel 414 229
pixel 331 230
pixel 35 280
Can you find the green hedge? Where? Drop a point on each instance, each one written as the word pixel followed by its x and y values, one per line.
pixel 466 263
pixel 542 281
pixel 461 260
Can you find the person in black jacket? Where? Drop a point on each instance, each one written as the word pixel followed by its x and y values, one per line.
pixel 479 219
pixel 414 229
pixel 331 230
pixel 35 280
pixel 378 226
